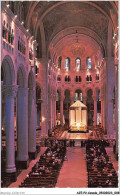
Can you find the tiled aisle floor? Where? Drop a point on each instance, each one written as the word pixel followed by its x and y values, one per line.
pixel 23 174
pixel 73 173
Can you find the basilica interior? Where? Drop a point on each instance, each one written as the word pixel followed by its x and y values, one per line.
pixel 59 94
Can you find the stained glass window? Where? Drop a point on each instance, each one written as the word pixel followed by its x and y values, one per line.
pixel 67 63
pixel 77 61
pixel 89 64
pixel 59 62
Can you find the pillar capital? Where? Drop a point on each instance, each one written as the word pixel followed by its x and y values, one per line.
pixel 10 90
pixel 95 110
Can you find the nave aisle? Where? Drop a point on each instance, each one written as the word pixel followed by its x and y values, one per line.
pixel 73 173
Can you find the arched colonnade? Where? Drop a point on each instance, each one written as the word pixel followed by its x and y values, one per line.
pixel 18 104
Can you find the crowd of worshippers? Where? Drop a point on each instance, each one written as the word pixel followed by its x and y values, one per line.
pixel 45 172
pixel 101 172
pixel 66 143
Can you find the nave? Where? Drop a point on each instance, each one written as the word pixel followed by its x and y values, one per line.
pixel 76 167
pixel 59 89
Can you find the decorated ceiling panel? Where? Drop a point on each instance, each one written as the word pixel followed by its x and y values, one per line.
pixel 75 14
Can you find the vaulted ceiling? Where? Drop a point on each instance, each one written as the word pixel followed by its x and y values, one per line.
pixel 57 21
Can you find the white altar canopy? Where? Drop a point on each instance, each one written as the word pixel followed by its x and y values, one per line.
pixel 78 116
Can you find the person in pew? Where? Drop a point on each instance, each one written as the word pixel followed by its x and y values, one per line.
pixel 36 165
pixel 47 170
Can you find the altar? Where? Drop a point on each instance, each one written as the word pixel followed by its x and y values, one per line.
pixel 78 117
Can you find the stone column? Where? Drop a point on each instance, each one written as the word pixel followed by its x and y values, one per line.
pixel 110 76
pixel 101 98
pixel 22 127
pixel 36 115
pixel 1 111
pixel 116 107
pixel 31 124
pixel 84 100
pixel 55 110
pixel 109 95
pixel 10 93
pixel 44 128
pixel 110 117
pixel 61 110
pixel 95 110
pixel 51 112
pixel 103 113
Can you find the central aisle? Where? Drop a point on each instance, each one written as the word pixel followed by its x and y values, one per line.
pixel 73 173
